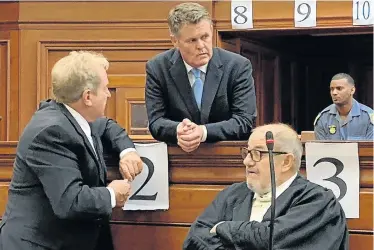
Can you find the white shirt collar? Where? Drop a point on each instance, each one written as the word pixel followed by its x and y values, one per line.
pixel 281 188
pixel 202 68
pixel 80 120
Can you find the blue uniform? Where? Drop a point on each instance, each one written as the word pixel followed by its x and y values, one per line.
pixel 358 125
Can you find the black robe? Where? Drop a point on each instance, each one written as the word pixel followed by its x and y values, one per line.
pixel 307 217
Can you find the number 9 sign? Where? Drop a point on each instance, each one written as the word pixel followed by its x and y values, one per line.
pixel 305 13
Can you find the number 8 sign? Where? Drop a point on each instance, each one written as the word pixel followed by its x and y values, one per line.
pixel 241 14
pixel 336 166
pixel 150 189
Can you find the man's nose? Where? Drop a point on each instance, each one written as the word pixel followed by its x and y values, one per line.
pixel 248 161
pixel 199 44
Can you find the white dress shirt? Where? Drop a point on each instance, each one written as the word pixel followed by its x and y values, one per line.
pixel 261 204
pixel 87 131
pixel 191 79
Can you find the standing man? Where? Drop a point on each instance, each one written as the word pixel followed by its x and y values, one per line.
pixel 58 197
pixel 345 119
pixel 195 93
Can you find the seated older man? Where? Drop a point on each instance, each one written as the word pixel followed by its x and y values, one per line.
pixel 307 215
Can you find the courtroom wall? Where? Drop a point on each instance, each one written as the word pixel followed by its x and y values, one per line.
pixel 34 35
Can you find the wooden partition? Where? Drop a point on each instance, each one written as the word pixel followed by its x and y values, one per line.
pixel 195 179
pixel 35 34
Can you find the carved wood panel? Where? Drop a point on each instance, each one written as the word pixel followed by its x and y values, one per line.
pixel 4 88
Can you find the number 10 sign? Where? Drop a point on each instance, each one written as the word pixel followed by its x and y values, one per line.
pixel 336 167
pixel 150 189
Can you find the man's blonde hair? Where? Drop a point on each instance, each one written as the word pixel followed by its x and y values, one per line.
pixel 286 139
pixel 186 13
pixel 75 73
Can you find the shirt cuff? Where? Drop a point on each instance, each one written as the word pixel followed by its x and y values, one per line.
pixel 125 151
pixel 205 133
pixel 112 196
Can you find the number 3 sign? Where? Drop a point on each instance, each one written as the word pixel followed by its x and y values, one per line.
pixel 336 167
pixel 150 189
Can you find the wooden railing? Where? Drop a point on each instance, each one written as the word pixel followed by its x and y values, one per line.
pixel 195 179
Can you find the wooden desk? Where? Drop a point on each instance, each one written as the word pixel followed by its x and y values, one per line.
pixel 195 179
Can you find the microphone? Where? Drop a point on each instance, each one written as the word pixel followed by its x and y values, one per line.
pixel 270 146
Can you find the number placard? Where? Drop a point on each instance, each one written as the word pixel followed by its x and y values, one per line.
pixel 241 14
pixel 305 13
pixel 362 13
pixel 150 189
pixel 336 167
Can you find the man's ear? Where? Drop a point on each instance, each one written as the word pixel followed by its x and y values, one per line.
pixel 87 97
pixel 353 90
pixel 174 40
pixel 288 162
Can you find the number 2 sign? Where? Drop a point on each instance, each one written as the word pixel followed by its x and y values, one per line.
pixel 150 189
pixel 336 167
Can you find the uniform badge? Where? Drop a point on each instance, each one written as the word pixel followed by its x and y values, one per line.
pixel 332 129
pixel 372 118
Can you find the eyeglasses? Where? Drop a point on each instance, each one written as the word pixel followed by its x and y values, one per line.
pixel 256 154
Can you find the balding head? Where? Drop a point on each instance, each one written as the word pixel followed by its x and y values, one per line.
pixel 285 139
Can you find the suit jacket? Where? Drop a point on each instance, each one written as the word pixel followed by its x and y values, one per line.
pixel 57 196
pixel 228 107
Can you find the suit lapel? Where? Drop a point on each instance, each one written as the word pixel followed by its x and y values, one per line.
pixel 79 130
pixel 179 74
pixel 211 84
pixel 242 212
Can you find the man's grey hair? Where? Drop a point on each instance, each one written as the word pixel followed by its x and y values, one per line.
pixel 344 76
pixel 286 140
pixel 186 13
pixel 75 73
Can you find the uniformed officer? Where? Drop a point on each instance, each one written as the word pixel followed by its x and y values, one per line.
pixel 346 118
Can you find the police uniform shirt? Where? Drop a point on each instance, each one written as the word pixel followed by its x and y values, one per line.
pixel 358 124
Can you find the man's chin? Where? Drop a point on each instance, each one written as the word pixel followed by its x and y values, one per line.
pixel 256 189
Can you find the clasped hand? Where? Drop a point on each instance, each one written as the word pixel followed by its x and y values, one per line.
pixel 189 135
pixel 130 165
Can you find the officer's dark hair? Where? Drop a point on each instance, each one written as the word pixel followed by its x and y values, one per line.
pixel 344 76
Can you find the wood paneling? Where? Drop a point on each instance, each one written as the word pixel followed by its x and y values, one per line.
pixel 129 38
pixel 190 195
pixel 148 237
pixel 37 34
pixel 153 237
pixel 361 241
pixel 9 84
pixel 4 87
pixel 279 14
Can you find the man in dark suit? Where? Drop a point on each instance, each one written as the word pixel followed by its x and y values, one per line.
pixel 58 197
pixel 196 93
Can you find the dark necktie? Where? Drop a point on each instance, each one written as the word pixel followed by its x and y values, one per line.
pixel 99 154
